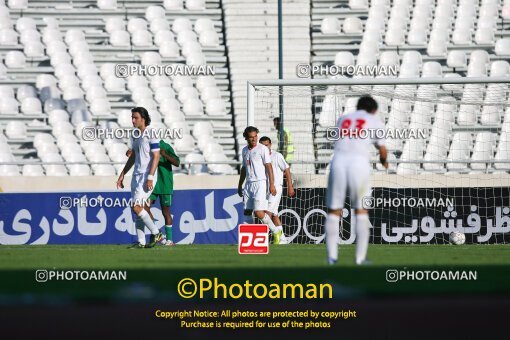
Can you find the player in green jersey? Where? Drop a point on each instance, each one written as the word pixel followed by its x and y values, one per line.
pixel 164 188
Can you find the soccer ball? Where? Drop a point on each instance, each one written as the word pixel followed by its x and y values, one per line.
pixel 457 238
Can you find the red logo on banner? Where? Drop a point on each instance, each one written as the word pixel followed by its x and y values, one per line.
pixel 253 239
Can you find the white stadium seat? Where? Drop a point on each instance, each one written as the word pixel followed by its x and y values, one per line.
pixel 502 46
pixel 25 23
pixel 29 35
pixel 141 92
pixel 184 36
pixel 485 36
pixel 186 93
pixel 169 49
pixel 456 58
pixel 154 12
pixel 104 170
pixel 160 24
pixel 57 116
pixel 73 35
pixel 500 68
pixel 344 59
pixel 173 5
pixel 16 130
pixel 151 58
pixel 43 138
pixel 437 48
pixel 174 116
pixel 159 81
pixel 107 4
pixel 204 82
pixel 203 128
pixel 432 69
pixel 15 59
pixel 195 5
pixel 352 25
pixel 79 170
pixel 184 144
pixel 209 39
pixel 181 24
pixel 189 47
pixel 114 24
pixel 45 80
pixel 17 4
pixel 32 170
pixel 169 105
pixel 215 107
pixel 330 25
pixel 163 92
pixel 163 36
pixel 31 106
pixel 203 24
pixel 119 38
pixel 358 4
pixel 194 169
pixel 8 37
pixel 9 105
pixel 114 84
pixel 209 93
pixel 141 38
pixel 136 24
pixel 193 107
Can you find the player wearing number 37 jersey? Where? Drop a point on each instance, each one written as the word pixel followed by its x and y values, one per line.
pixel 350 172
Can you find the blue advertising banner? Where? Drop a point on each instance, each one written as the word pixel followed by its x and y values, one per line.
pixel 199 217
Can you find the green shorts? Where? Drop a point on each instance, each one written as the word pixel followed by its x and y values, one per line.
pixel 165 200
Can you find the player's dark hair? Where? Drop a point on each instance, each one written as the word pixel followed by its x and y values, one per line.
pixel 265 139
pixel 250 129
pixel 143 113
pixel 367 104
pixel 277 120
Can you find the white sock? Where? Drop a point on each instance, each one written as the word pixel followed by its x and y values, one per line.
pixel 267 220
pixel 332 237
pixel 248 219
pixel 148 222
pixel 362 236
pixel 140 232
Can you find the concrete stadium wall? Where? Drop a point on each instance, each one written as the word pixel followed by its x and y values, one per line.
pixel 99 183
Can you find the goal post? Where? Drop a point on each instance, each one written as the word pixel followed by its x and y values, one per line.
pixel 449 153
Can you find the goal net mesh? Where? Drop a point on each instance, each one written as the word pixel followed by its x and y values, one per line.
pixel 449 156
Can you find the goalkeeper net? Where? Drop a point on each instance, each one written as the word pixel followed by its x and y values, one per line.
pixel 449 156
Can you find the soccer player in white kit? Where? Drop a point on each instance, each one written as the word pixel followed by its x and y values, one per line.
pixel 280 167
pixel 145 157
pixel 256 169
pixel 350 170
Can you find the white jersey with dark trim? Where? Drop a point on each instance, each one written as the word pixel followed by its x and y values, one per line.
pixel 352 140
pixel 143 146
pixel 279 166
pixel 254 161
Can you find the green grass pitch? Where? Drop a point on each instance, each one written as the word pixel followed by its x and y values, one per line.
pixel 161 268
pixel 226 256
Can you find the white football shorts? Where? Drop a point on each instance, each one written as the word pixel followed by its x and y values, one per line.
pixel 255 196
pixel 139 192
pixel 348 174
pixel 273 202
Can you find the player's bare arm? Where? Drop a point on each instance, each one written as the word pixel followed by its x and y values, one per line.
pixel 154 166
pixel 383 155
pixel 288 178
pixel 241 181
pixel 269 173
pixel 174 161
pixel 127 167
